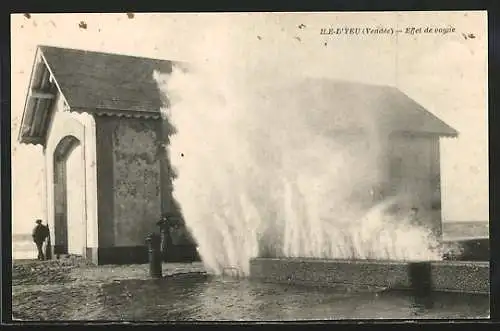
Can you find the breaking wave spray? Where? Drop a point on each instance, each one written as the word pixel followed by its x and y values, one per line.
pixel 257 177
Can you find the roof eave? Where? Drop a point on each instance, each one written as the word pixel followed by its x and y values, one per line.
pixel 442 134
pixel 444 130
pixel 450 135
pixel 32 140
pixel 21 138
pixel 25 136
pixel 448 132
pixel 118 112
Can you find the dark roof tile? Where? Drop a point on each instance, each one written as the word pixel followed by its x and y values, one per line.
pixel 100 81
pixel 356 105
pixel 124 85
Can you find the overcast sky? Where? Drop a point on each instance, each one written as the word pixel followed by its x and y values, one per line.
pixel 447 74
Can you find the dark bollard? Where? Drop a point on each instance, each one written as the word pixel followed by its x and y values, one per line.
pixel 421 283
pixel 155 259
pixel 164 236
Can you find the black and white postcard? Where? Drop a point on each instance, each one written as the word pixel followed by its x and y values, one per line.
pixel 250 166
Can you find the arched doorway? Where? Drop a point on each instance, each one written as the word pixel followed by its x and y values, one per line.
pixel 69 198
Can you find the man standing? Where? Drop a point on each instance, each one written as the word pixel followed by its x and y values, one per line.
pixel 40 233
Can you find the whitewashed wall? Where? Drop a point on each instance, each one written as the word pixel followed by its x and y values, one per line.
pixel 81 126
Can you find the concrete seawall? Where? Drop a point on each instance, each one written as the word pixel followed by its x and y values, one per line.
pixel 472 249
pixel 446 276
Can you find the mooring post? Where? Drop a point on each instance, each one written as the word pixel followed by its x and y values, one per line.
pixel 155 258
pixel 421 282
pixel 164 236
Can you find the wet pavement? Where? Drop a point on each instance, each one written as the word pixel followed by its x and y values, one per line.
pixel 70 289
pixel 219 299
pixel 199 297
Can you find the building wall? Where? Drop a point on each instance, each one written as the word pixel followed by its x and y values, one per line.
pixel 75 202
pixel 82 127
pixel 396 165
pixel 136 180
pixel 105 180
pixel 129 180
pixel 413 175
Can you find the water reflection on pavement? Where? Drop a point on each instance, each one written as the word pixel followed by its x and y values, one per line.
pixel 211 299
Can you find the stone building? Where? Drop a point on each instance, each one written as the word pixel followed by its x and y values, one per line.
pixel 395 139
pixel 107 175
pixel 97 117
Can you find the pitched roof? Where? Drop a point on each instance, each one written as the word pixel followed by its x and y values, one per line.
pixel 94 82
pixel 122 85
pixel 337 104
pixel 101 81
